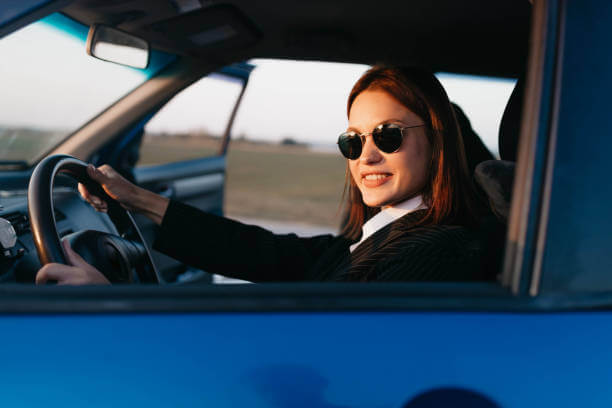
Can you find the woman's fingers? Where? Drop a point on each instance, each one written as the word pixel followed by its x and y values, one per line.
pixel 116 187
pixel 84 273
pixel 105 175
pixel 54 272
pixel 70 275
pixel 112 182
pixel 84 192
pixel 93 200
pixel 43 274
pixel 95 174
pixel 72 257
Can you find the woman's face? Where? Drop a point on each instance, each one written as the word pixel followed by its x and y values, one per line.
pixel 388 178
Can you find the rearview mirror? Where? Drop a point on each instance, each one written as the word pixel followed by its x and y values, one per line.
pixel 113 45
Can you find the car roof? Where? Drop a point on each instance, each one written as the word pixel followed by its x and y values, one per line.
pixel 480 37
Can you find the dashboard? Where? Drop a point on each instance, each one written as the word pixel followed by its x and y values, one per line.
pixel 20 263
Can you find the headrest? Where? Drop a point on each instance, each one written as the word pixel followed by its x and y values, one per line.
pixel 475 149
pixel 510 125
pixel 496 178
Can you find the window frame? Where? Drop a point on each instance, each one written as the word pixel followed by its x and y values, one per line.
pixel 526 237
pixel 238 73
pixel 514 295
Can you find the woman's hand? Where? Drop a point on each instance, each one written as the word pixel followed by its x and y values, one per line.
pixel 117 187
pixel 78 272
pixel 128 195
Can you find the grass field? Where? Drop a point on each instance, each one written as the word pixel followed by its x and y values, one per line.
pixel 27 144
pixel 267 181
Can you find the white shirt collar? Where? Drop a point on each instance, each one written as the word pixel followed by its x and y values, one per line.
pixel 388 215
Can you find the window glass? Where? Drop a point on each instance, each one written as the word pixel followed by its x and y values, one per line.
pixel 51 87
pixel 192 124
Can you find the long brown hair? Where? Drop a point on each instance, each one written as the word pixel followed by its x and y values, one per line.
pixel 449 193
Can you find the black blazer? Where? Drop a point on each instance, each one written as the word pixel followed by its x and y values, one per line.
pixel 401 251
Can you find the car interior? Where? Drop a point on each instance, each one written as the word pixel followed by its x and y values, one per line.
pixel 191 39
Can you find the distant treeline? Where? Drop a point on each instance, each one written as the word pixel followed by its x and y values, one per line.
pixel 203 135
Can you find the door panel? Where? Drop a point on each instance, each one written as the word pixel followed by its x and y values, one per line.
pixel 321 360
pixel 199 183
pixel 196 182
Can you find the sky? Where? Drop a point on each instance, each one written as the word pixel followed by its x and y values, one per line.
pixel 49 82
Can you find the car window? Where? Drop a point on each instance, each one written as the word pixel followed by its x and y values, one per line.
pixel 191 125
pixel 290 118
pixel 51 87
pixel 283 159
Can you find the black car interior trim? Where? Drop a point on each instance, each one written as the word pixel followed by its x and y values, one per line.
pixel 483 37
pixel 279 298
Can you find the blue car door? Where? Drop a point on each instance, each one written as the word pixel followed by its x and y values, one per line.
pixel 539 337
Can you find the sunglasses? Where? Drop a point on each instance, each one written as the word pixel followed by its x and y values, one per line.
pixel 387 138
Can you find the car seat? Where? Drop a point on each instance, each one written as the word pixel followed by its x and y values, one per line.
pixel 475 150
pixel 491 231
pixel 496 179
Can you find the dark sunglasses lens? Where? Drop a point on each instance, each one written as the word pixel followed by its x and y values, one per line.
pixel 387 138
pixel 350 145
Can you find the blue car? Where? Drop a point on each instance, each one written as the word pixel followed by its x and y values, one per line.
pixel 94 81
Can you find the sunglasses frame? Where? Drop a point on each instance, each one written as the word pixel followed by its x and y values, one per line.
pixel 362 137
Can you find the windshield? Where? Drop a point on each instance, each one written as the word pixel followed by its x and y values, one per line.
pixel 51 87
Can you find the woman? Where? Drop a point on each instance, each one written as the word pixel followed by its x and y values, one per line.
pixel 411 204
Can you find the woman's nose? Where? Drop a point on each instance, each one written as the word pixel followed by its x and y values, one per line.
pixel 369 152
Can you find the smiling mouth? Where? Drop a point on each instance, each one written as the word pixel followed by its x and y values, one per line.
pixel 375 179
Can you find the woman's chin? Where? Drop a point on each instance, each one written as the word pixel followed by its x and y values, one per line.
pixel 375 201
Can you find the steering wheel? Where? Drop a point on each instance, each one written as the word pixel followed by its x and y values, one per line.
pixel 122 258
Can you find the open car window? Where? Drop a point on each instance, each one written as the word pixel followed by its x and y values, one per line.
pixel 192 124
pixel 284 168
